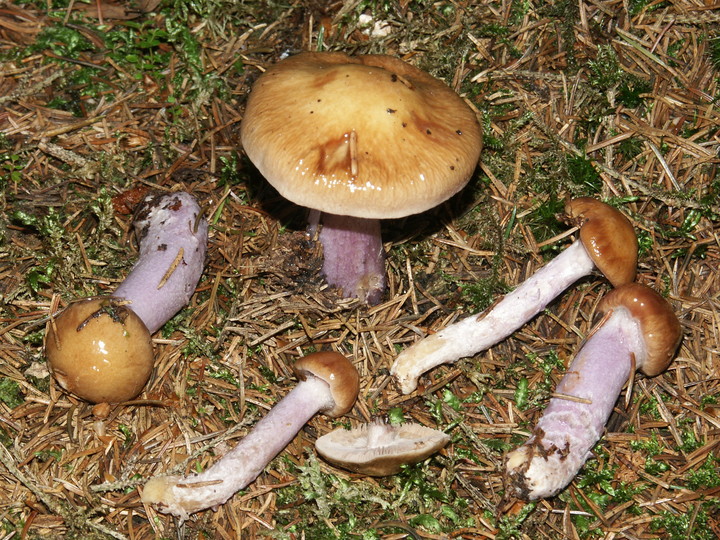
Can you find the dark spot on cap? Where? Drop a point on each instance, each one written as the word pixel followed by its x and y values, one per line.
pixel 452 167
pixel 404 124
pixel 458 132
pixel 392 111
pixel 162 247
pixel 428 132
pixel 393 77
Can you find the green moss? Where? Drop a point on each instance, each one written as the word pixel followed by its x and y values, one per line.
pixel 510 527
pixel 10 393
pixel 482 293
pixel 705 477
pixel 607 74
pixel 543 219
pixel 692 524
pixel 584 176
pixel 521 394
pixel 714 50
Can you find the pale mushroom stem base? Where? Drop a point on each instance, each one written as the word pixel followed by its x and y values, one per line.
pixel 182 496
pixel 354 260
pixel 474 334
pixel 172 238
pixel 570 426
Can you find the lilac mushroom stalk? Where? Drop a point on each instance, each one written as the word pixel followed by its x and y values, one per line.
pixel 329 383
pixel 357 140
pixel 607 242
pixel 100 348
pixel 638 331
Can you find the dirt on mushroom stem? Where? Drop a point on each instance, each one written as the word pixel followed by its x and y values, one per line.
pixel 639 330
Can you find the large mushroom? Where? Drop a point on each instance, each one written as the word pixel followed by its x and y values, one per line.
pixel 639 330
pixel 607 242
pixel 358 139
pixel 329 383
pixel 99 348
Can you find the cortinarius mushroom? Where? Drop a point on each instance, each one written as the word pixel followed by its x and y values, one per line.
pixel 358 139
pixel 329 383
pixel 99 348
pixel 607 241
pixel 379 448
pixel 638 331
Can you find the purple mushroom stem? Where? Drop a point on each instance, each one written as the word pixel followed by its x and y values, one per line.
pixel 330 384
pixel 571 425
pixel 354 259
pixel 172 237
pixel 479 332
pixel 183 496
pixel 639 331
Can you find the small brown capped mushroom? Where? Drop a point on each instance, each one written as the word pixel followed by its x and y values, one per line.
pixel 638 331
pixel 608 237
pixel 99 350
pixel 607 242
pixel 329 384
pixel 660 327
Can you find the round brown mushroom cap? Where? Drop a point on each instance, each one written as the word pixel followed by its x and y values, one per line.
pixel 659 325
pixel 380 449
pixel 365 136
pixel 338 372
pixel 608 237
pixel 99 350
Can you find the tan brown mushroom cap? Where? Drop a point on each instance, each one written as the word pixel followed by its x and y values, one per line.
pixel 660 326
pixel 99 350
pixel 338 372
pixel 608 237
pixel 365 136
pixel 380 449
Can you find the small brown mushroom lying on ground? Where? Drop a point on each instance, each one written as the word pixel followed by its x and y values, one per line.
pixel 329 383
pixel 358 139
pixel 607 242
pixel 638 331
pixel 379 448
pixel 99 348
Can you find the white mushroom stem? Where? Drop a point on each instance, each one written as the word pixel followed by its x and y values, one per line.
pixel 574 420
pixel 182 496
pixel 479 332
pixel 354 259
pixel 172 237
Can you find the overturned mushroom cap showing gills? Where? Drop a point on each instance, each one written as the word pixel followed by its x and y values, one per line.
pixel 607 242
pixel 638 330
pixel 378 448
pixel 329 383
